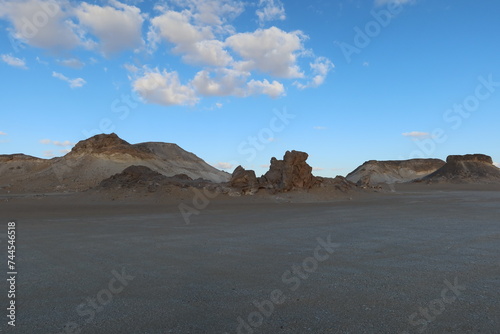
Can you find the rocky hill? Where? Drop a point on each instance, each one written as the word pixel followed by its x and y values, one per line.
pixel 470 168
pixel 97 158
pixel 375 172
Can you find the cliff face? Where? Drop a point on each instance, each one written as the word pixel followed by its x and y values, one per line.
pixel 396 171
pixel 470 168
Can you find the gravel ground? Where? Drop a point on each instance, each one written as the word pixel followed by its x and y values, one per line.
pixel 406 262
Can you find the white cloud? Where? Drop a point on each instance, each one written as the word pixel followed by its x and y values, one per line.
pixel 57 143
pixel 71 62
pixel 270 10
pixel 118 27
pixel 417 135
pixel 65 151
pixel 73 83
pixel 213 13
pixel 320 128
pixel 271 51
pixel 2 133
pixel 195 43
pixel 320 69
pixel 48 154
pixel 497 164
pixel 226 82
pixel 40 61
pixel 44 24
pixel 366 64
pixel 13 61
pixel 224 165
pixel 392 2
pixel 219 105
pixel 131 68
pixel 164 88
pixel 229 82
pixel 318 169
pixel 273 89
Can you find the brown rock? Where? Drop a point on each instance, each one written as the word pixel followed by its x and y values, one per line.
pixel 470 158
pixel 245 180
pixel 291 173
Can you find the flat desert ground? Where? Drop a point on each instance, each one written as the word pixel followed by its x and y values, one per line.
pixel 418 260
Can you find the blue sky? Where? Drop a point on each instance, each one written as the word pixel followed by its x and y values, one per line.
pixel 237 82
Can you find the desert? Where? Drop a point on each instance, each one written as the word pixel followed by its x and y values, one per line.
pixel 145 252
pixel 249 167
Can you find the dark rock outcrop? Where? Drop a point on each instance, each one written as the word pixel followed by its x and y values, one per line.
pixel 142 177
pixel 109 143
pixel 245 180
pixel 470 168
pixel 337 183
pixel 291 173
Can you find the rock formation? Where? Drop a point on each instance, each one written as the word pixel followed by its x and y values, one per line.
pixel 97 158
pixel 245 180
pixel 291 173
pixel 470 168
pixel 375 172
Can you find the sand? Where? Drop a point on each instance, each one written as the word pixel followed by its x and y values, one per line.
pixel 133 265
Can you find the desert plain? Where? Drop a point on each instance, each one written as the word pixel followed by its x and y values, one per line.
pixel 410 258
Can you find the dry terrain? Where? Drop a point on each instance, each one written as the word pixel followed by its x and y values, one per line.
pixel 420 259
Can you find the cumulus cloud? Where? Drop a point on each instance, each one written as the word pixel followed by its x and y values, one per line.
pixel 229 82
pixel 13 61
pixel 118 26
pixel 320 69
pixel 273 89
pixel 56 142
pixel 270 10
pixel 224 165
pixel 71 62
pixel 417 135
pixel 272 51
pixel 200 32
pixel 73 83
pixel 42 23
pixel 214 13
pixel 195 43
pixel 164 88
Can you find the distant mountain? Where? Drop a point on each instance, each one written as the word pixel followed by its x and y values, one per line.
pixel 97 158
pixel 470 168
pixel 375 172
